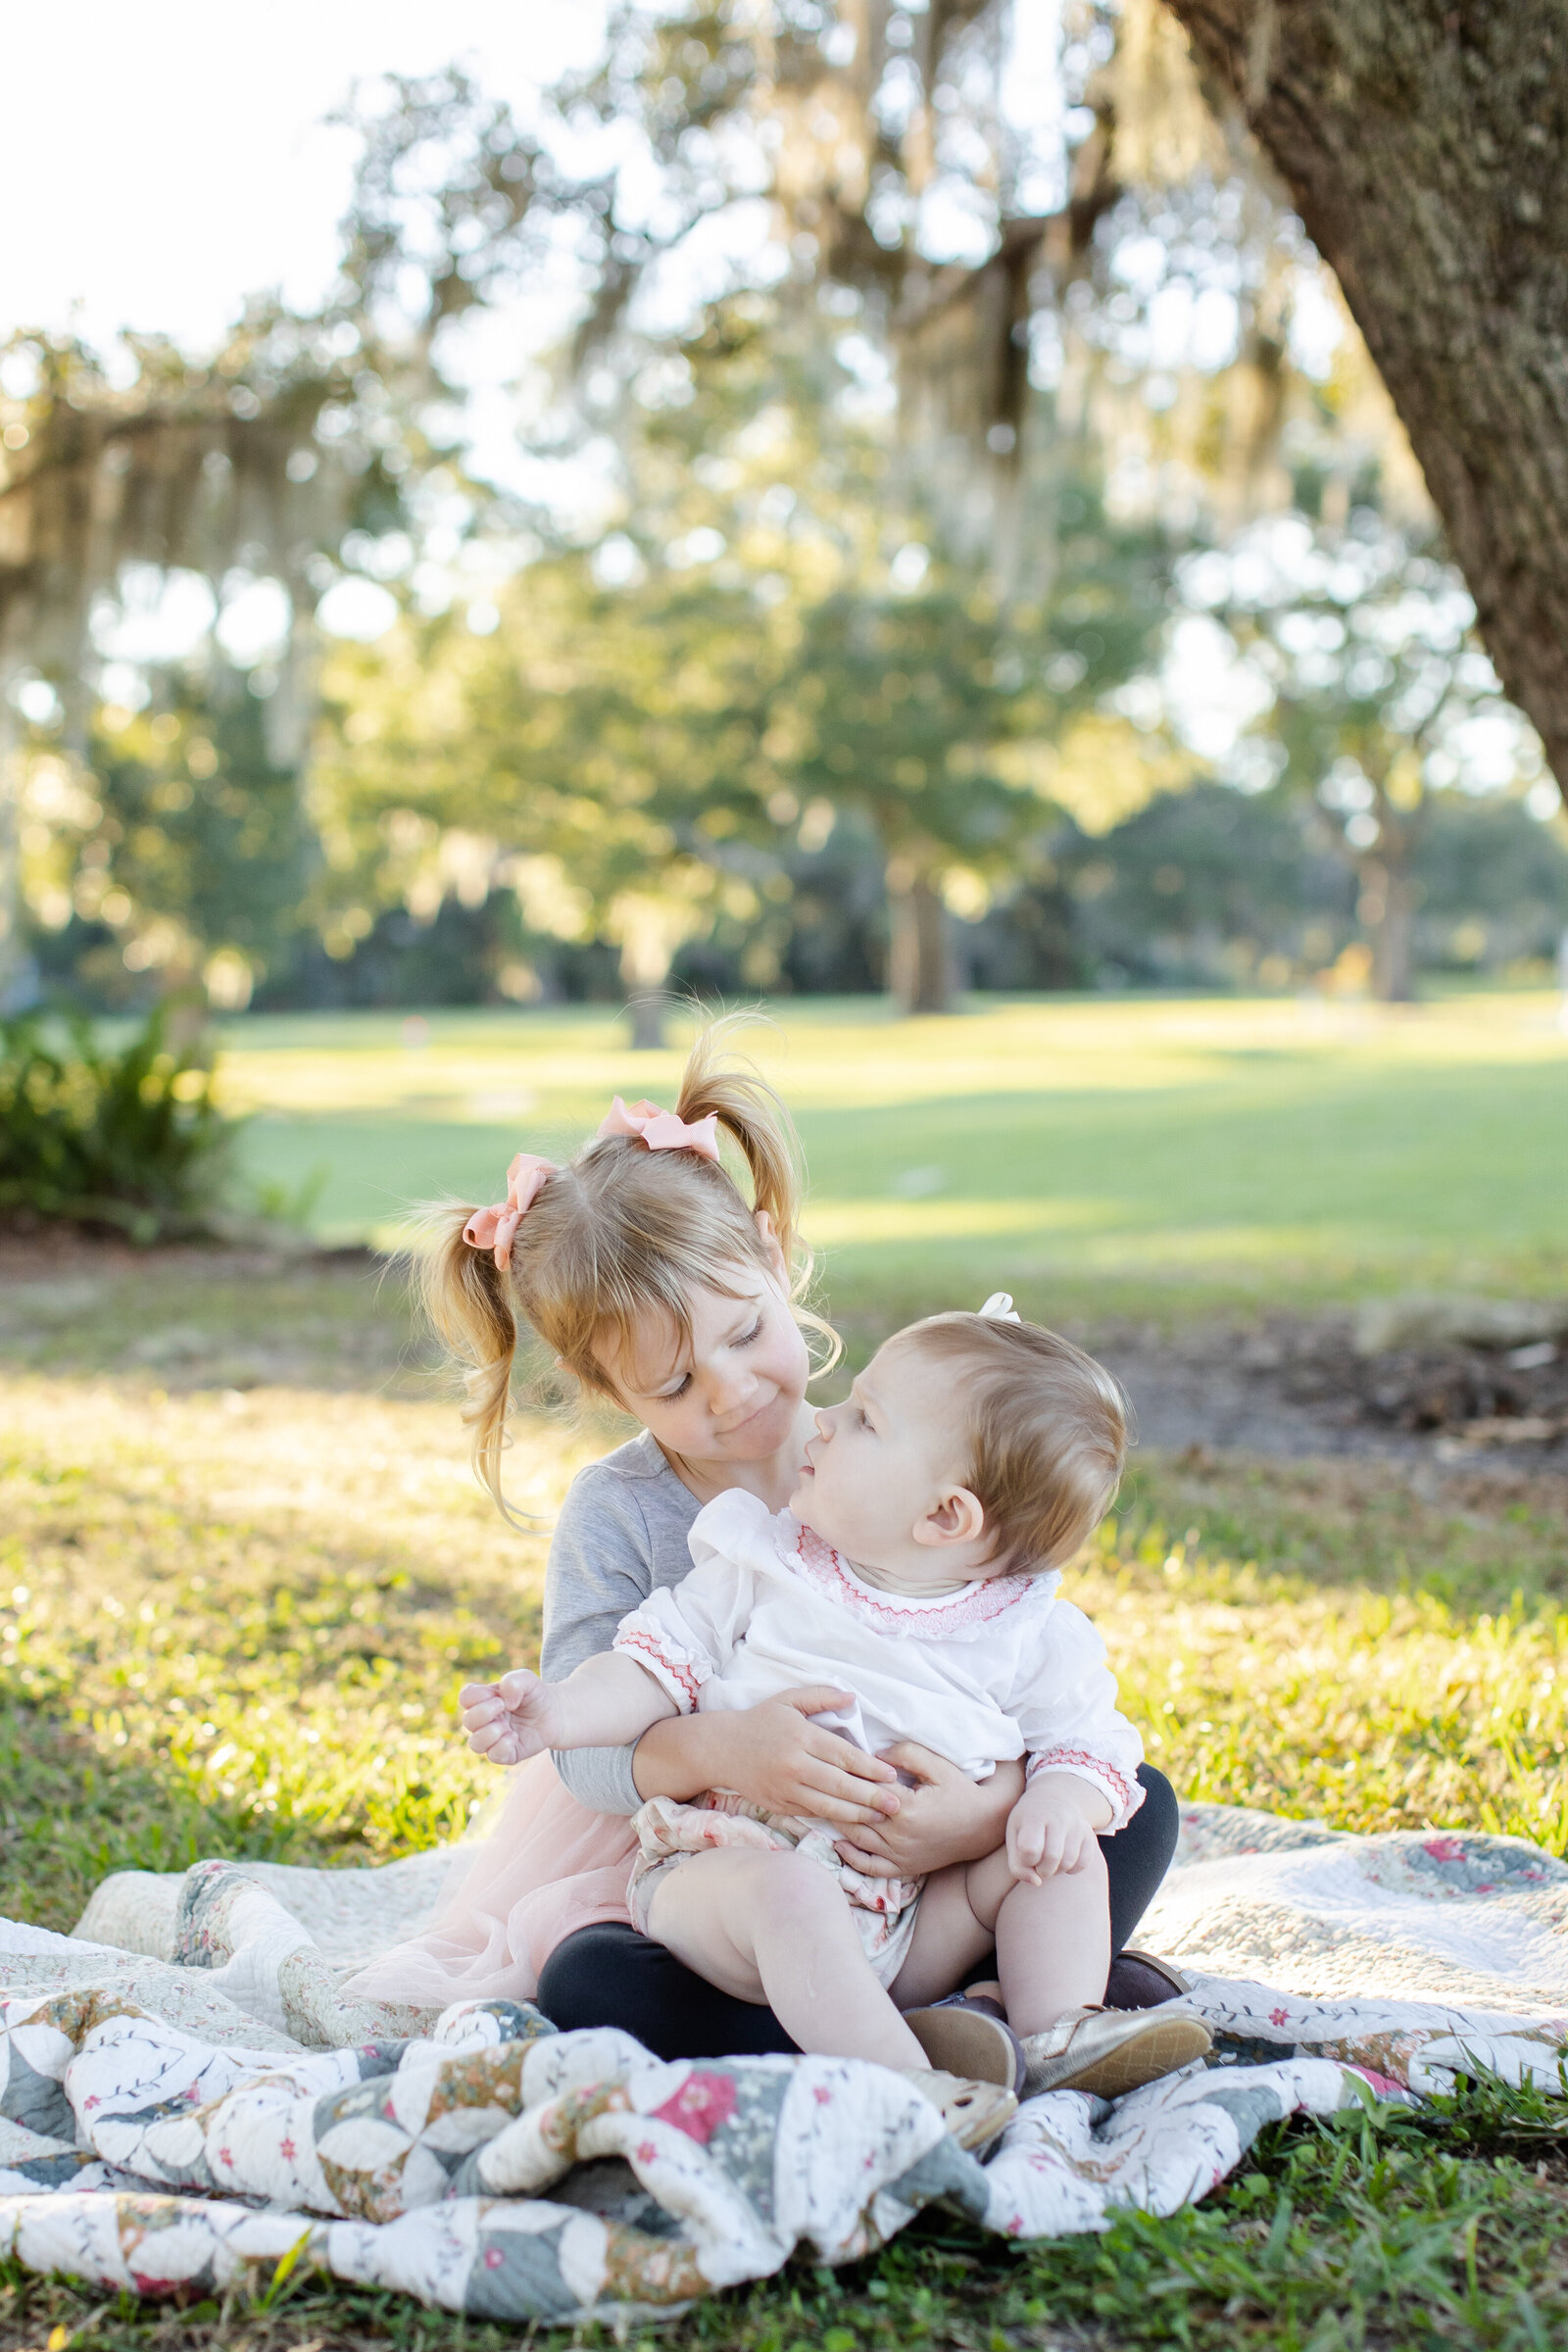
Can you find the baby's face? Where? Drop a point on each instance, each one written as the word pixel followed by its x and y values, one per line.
pixel 880 1462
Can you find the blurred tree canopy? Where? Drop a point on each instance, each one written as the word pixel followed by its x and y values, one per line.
pixel 256 460
pixel 826 498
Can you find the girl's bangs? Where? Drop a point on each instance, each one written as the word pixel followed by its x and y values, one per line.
pixel 647 1318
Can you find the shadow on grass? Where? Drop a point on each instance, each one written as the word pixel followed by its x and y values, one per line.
pixel 1478 1544
pixel 202 1318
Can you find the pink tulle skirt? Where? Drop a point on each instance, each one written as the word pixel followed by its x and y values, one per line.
pixel 547 1868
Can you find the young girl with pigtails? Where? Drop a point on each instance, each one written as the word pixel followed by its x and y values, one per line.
pixel 643 1269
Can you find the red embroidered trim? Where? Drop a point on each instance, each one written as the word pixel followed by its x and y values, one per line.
pixel 978 1604
pixel 1124 1794
pixel 677 1668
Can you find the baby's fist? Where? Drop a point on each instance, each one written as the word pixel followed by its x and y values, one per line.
pixel 505 1720
pixel 1052 1827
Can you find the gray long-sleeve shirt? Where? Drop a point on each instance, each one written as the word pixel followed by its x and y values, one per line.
pixel 622 1534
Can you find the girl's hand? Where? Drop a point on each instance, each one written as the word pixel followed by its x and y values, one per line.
pixel 1052 1826
pixel 509 1720
pixel 946 1818
pixel 774 1755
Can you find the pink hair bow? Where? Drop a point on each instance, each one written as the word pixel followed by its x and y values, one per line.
pixel 493 1228
pixel 661 1130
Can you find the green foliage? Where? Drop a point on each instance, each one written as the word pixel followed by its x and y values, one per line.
pixel 1213 886
pixel 128 1138
pixel 1381 697
pixel 190 853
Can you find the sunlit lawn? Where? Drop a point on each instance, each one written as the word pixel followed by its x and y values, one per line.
pixel 1127 1154
pixel 235 1622
pixel 243 1567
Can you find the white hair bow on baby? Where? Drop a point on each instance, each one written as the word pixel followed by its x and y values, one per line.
pixel 998 1309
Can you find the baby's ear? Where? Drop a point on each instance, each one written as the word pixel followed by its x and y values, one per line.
pixel 958 1516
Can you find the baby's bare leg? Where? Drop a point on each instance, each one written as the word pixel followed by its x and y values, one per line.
pixel 1052 1941
pixel 776 1927
pixel 949 1937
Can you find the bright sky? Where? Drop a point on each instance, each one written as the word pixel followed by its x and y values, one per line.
pixel 159 162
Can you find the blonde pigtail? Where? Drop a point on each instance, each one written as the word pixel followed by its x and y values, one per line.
pixel 466 1297
pixel 740 1096
pixel 716 1081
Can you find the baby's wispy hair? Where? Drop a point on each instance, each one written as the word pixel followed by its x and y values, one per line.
pixel 1046 1430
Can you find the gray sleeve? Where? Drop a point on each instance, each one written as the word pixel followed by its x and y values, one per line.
pixel 601 1568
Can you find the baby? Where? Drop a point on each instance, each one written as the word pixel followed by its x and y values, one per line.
pixel 916 1567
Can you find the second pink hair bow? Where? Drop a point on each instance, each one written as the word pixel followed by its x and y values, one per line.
pixel 662 1130
pixel 494 1228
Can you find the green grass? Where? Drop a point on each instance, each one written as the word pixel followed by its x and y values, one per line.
pixel 236 1621
pixel 1097 1155
pixel 243 1569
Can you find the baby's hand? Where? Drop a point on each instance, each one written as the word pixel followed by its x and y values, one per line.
pixel 506 1720
pixel 1052 1826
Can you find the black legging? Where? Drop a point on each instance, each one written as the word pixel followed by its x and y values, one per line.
pixel 610 1975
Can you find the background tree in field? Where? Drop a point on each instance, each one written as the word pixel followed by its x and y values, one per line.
pixel 952 723
pixel 177 851
pixel 595 753
pixel 1381 697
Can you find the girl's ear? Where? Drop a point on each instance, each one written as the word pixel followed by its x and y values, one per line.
pixel 958 1516
pixel 772 1247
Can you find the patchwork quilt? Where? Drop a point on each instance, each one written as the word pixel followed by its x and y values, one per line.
pixel 189 2100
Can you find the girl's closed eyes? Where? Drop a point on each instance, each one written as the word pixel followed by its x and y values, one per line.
pixel 747 1338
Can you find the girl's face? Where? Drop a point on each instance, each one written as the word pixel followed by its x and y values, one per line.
pixel 732 1391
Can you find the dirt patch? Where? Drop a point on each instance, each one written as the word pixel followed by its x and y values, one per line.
pixel 55 1251
pixel 1295 1386
pixel 1287 1386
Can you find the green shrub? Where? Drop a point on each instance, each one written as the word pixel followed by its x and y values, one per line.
pixel 130 1138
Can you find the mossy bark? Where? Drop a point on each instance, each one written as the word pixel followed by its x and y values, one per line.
pixel 1425 144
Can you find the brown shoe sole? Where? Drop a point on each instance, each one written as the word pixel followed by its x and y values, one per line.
pixel 968 2043
pixel 1175 2042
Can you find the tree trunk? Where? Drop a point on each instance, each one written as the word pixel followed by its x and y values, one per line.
pixel 647 1016
pixel 919 950
pixel 1425 144
pixel 1387 907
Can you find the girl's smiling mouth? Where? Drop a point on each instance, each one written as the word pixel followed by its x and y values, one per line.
pixel 724 1436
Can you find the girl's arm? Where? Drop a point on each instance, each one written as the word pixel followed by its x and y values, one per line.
pixel 775 1755
pixel 607 1700
pixel 601 1569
